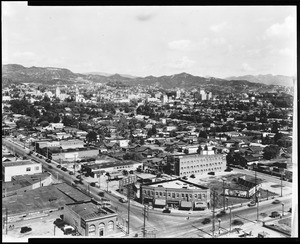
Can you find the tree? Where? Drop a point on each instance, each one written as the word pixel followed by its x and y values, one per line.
pixel 91 136
pixel 199 149
pixel 56 119
pixel 271 151
pixel 186 151
pixel 203 134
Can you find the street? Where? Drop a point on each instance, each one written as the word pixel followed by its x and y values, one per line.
pixel 165 225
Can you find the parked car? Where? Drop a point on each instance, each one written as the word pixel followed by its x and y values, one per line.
pixel 48 160
pixel 206 221
pixel 290 210
pixel 50 167
pixel 184 177
pixel 93 184
pixel 251 204
pixel 274 214
pixel 78 177
pixel 166 210
pixel 193 176
pixel 123 200
pixel 211 173
pixel 64 169
pixel 276 201
pixel 25 229
pixel 58 166
pixel 228 169
pixel 221 214
pixel 71 173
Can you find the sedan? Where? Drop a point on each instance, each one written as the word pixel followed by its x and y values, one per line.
pixel 274 214
pixel 276 201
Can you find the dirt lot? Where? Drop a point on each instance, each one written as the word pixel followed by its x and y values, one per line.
pixel 41 227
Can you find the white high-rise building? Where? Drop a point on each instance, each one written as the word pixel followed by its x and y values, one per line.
pixel 57 92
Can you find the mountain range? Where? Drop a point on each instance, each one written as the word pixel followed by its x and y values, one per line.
pixel 15 73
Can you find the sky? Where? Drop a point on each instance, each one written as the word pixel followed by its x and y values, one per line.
pixel 218 41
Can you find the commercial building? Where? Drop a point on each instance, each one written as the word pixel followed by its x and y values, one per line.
pixel 22 167
pixel 176 193
pixel 90 219
pixel 185 165
pixel 116 166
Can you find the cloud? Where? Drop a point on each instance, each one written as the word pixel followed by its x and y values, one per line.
pixel 246 67
pixel 219 27
pixel 145 17
pixel 181 63
pixel 179 44
pixel 284 29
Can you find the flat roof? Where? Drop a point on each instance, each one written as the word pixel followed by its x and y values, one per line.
pixel 177 184
pixel 90 210
pixel 18 163
pixel 111 164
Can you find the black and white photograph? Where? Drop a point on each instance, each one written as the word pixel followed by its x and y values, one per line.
pixel 149 122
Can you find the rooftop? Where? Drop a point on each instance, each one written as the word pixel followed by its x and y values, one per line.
pixel 19 163
pixel 177 184
pixel 90 210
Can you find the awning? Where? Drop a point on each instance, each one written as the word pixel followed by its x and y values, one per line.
pixel 160 202
pixel 185 204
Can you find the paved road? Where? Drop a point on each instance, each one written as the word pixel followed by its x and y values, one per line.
pixel 165 225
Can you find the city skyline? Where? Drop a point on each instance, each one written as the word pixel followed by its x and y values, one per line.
pixel 142 41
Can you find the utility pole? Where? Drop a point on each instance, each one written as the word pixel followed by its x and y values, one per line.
pixel 213 218
pixel 145 213
pixel 6 220
pixel 281 185
pixel 223 194
pixel 128 196
pixel 256 198
pixel 230 219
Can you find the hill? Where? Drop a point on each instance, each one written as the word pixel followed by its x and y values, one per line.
pixel 14 73
pixel 268 79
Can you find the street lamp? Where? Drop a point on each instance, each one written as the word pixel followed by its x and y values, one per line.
pixel 223 193
pixel 282 209
pixel 219 225
pixel 227 202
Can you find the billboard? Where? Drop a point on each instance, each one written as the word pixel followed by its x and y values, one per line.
pixel 127 181
pixel 236 193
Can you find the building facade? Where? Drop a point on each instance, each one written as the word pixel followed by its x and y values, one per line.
pixel 176 193
pixel 185 165
pixel 22 167
pixel 90 219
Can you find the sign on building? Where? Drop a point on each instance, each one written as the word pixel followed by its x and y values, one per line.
pixel 131 179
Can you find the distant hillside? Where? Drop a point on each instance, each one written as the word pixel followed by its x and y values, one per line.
pixel 269 79
pixel 14 73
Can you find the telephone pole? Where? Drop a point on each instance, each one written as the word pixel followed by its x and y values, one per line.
pixel 281 185
pixel 213 218
pixel 256 198
pixel 223 194
pixel 128 196
pixel 145 215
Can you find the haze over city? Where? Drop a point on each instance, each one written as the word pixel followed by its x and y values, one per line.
pixel 152 40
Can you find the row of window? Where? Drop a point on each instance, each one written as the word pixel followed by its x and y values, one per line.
pixel 201 162
pixel 173 194
pixel 201 165
pixel 92 228
pixel 201 171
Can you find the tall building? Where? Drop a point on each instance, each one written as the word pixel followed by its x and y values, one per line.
pixel 186 165
pixel 164 99
pixel 203 95
pixel 57 92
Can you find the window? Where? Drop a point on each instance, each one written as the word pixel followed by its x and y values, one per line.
pixel 110 226
pixel 169 194
pixel 191 195
pixel 28 169
pixel 177 194
pixel 173 195
pixel 199 196
pixel 156 193
pixel 195 195
pixel 160 193
pixel 164 194
pixel 182 195
pixel 37 168
pixel 145 191
pixel 92 230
